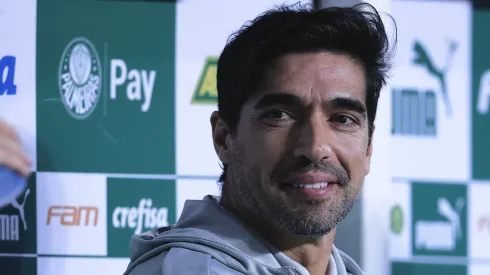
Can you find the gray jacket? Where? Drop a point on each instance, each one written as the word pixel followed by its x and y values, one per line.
pixel 208 239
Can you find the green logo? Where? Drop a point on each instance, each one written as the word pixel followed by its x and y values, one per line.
pixel 439 219
pixel 481 95
pixel 415 110
pixel 396 219
pixel 80 78
pixel 135 206
pixel 206 91
pixel 109 87
pixel 18 228
pixel 423 59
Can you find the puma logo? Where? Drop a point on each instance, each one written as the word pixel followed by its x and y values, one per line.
pixel 20 207
pixel 423 59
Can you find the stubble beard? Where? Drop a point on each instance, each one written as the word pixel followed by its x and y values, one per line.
pixel 313 222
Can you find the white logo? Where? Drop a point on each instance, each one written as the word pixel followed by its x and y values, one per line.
pixel 439 235
pixel 145 216
pixel 80 78
pixel 483 103
pixel 9 224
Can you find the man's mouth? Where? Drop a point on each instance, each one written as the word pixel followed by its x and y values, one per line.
pixel 312 185
pixel 311 191
pixel 311 180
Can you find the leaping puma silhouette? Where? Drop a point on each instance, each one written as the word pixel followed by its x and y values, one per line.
pixel 15 204
pixel 423 59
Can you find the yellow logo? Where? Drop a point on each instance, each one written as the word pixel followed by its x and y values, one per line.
pixel 206 91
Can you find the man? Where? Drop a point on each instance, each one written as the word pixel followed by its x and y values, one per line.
pixel 297 98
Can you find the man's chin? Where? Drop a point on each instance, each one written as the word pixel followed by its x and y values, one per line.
pixel 307 207
pixel 313 232
pixel 304 223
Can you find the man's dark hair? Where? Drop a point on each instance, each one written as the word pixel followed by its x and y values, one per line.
pixel 357 32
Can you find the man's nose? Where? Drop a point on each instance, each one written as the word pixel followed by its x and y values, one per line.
pixel 314 140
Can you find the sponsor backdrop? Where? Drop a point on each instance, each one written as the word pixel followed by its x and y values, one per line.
pixel 440 215
pixel 112 102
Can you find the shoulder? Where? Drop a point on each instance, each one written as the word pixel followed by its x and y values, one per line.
pixel 182 261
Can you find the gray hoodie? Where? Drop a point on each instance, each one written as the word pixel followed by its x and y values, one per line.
pixel 208 239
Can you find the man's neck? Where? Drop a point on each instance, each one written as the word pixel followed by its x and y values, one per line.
pixel 312 253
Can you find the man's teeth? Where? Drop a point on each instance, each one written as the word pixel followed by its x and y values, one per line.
pixel 314 185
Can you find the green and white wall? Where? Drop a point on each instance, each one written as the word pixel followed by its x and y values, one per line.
pixel 441 132
pixel 122 155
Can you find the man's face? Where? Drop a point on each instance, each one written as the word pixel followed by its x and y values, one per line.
pixel 300 152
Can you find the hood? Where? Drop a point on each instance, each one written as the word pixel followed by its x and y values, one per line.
pixel 207 227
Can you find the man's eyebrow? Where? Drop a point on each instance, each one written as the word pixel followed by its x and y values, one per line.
pixel 286 99
pixel 348 103
pixel 272 99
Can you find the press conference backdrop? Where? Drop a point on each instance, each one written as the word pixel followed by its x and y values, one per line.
pixel 441 132
pixel 128 161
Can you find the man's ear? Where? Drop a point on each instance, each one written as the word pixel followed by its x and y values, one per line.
pixel 369 153
pixel 220 133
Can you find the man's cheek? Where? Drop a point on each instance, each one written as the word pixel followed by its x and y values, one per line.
pixel 354 150
pixel 273 142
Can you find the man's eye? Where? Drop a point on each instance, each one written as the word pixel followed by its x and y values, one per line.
pixel 343 119
pixel 278 114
